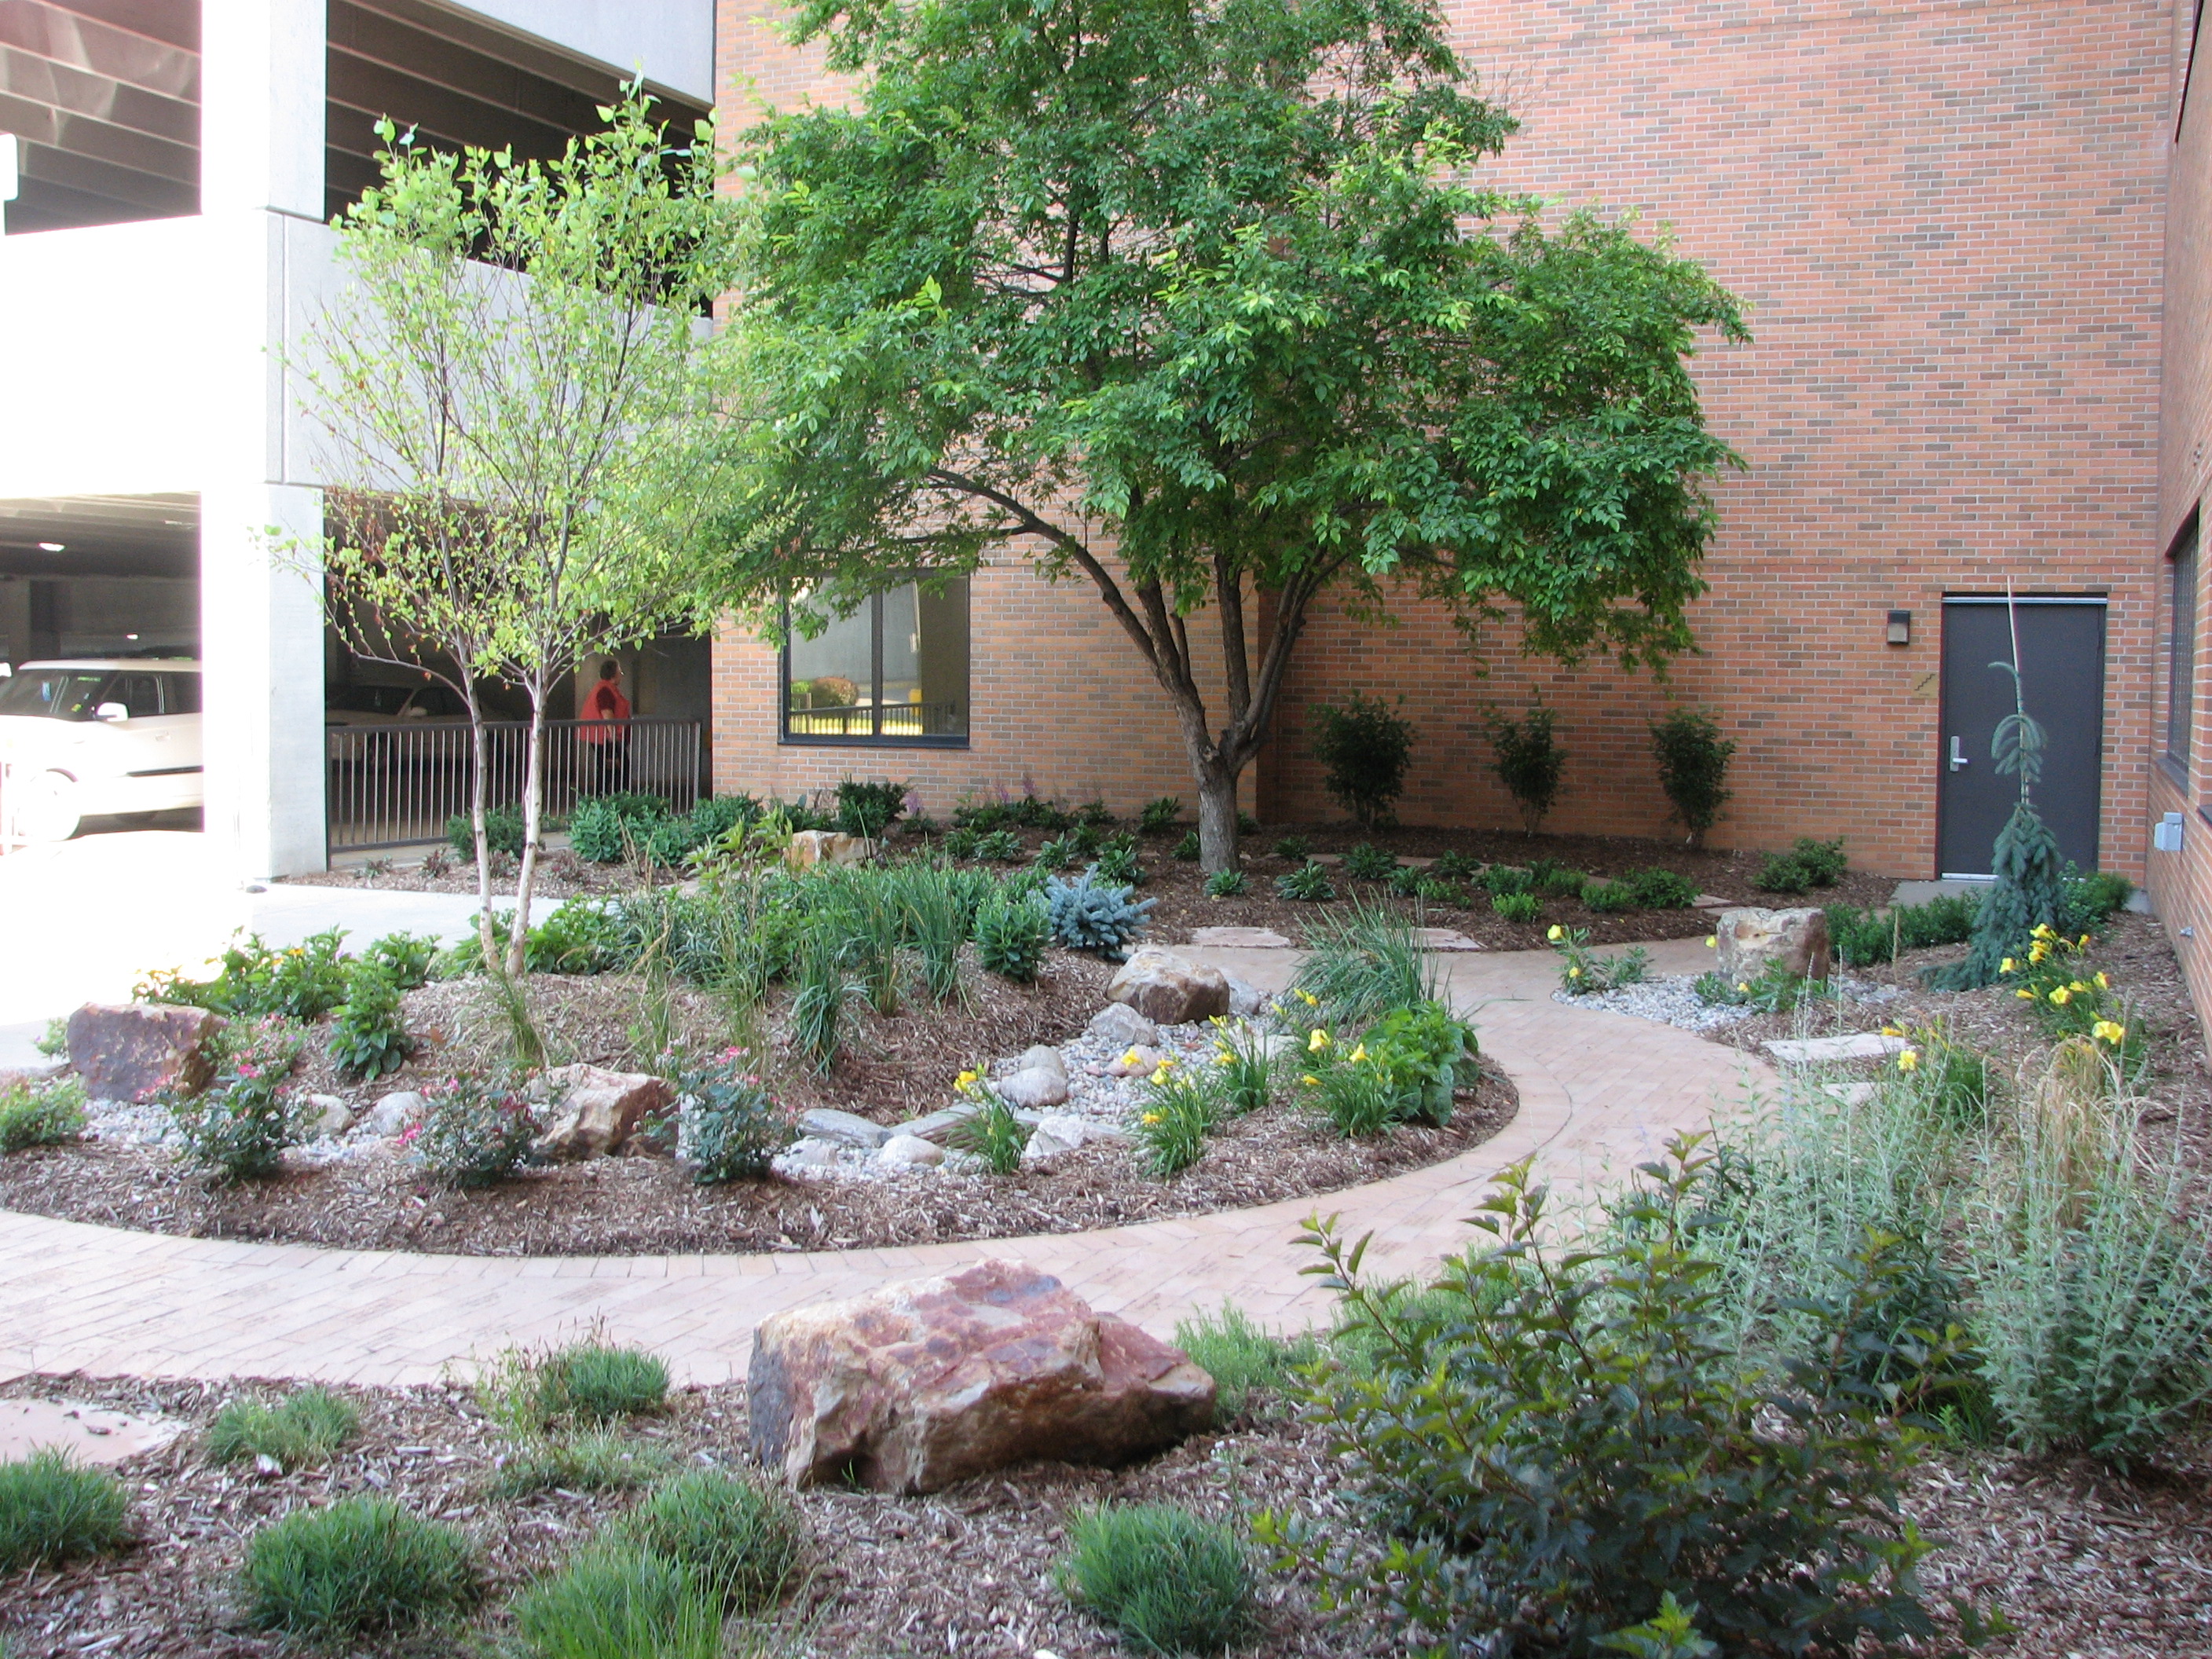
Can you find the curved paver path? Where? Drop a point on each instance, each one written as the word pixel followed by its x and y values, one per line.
pixel 1599 1092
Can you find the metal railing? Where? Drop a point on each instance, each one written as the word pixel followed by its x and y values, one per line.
pixel 396 786
pixel 901 720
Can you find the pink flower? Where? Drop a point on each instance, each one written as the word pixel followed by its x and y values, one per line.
pixel 248 1069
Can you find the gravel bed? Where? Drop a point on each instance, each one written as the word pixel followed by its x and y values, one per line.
pixel 1674 1001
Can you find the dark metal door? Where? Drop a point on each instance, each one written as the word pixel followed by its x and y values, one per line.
pixel 2062 662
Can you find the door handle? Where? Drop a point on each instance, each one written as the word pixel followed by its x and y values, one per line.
pixel 1959 761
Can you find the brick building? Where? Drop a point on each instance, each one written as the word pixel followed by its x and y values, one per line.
pixel 1948 223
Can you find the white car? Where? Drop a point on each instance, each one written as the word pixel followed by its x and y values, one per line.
pixel 103 735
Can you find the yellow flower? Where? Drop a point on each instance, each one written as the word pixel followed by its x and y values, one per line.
pixel 1310 1080
pixel 2104 984
pixel 2041 930
pixel 2025 992
pixel 1891 1030
pixel 1132 1058
pixel 2037 951
pixel 1310 998
pixel 1223 1056
pixel 1908 1059
pixel 1161 1076
pixel 965 1079
pixel 2006 966
pixel 1359 1054
pixel 2060 996
pixel 1574 973
pixel 1712 941
pixel 1743 985
pixel 2081 987
pixel 2084 944
pixel 1317 1041
pixel 1555 932
pixel 1151 1117
pixel 2107 1030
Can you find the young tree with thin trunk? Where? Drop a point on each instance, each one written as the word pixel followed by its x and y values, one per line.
pixel 1191 300
pixel 513 368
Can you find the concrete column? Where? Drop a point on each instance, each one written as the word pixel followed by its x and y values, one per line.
pixel 261 175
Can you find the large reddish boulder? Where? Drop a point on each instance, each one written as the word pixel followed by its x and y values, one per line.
pixel 126 1052
pixel 914 1386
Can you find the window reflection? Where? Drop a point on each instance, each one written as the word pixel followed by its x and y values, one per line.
pixel 896 668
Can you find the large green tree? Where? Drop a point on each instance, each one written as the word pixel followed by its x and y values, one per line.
pixel 1194 299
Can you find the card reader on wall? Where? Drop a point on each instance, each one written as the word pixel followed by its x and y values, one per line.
pixel 2166 834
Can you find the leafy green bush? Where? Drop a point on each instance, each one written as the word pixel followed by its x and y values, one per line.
pixel 609 1602
pixel 1500 878
pixel 1010 936
pixel 1158 817
pixel 1807 863
pixel 368 1038
pixel 1432 889
pixel 306 1429
pixel 1364 747
pixel 1580 1434
pixel 1089 913
pixel 730 1125
pixel 1518 907
pixel 53 1511
pixel 1608 897
pixel 1187 850
pixel 1661 890
pixel 1556 878
pixel 359 1564
pixel 742 1542
pixel 581 936
pixel 1584 972
pixel 2094 899
pixel 1370 862
pixel 1456 866
pixel 1244 1360
pixel 998 847
pixel 1779 873
pixel 1025 812
pixel 606 829
pixel 1423 1052
pixel 867 810
pixel 1360 964
pixel 598 1461
pixel 1861 938
pixel 1058 852
pixel 257 981
pixel 240 1126
pixel 1529 761
pixel 503 833
pixel 1180 1111
pixel 1693 762
pixel 1309 883
pixel 1170 1582
pixel 961 843
pixel 1118 863
pixel 42 1114
pixel 477 1131
pixel 404 958
pixel 1227 884
pixel 1407 881
pixel 1298 848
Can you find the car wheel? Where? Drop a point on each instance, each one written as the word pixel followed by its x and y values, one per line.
pixel 47 810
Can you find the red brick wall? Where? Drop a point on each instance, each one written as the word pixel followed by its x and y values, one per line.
pixel 1947 223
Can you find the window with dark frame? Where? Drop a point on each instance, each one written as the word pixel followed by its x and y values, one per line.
pixel 894 671
pixel 2181 648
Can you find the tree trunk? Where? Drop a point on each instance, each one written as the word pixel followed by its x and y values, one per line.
pixel 1217 815
pixel 479 785
pixel 533 815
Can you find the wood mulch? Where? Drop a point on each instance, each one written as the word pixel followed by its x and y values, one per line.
pixel 2084 1565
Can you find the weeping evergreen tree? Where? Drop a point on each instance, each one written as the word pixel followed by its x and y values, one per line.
pixel 2030 890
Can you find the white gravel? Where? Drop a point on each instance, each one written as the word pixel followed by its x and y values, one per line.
pixel 1672 1001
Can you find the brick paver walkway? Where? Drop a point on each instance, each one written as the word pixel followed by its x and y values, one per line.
pixel 1599 1092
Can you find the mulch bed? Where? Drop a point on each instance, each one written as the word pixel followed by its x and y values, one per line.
pixel 2083 1563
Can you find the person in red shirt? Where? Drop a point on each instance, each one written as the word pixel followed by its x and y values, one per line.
pixel 605 735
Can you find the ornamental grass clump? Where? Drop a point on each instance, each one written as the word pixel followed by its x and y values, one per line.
pixel 593 1382
pixel 304 1429
pixel 1245 1067
pixel 361 1564
pixel 47 1113
pixel 1578 1435
pixel 596 1462
pixel 743 1541
pixel 1179 1111
pixel 53 1511
pixel 1360 964
pixel 1250 1365
pixel 613 1602
pixel 1168 1581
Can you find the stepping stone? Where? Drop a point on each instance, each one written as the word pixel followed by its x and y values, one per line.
pixel 1816 1051
pixel 844 1128
pixel 1712 902
pixel 1240 939
pixel 1445 939
pixel 88 1433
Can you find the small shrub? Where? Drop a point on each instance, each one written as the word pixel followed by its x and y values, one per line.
pixel 306 1429
pixel 999 846
pixel 1861 937
pixel 257 981
pixel 1556 880
pixel 1058 852
pixel 1179 1113
pixel 1661 890
pixel 1370 862
pixel 1693 762
pixel 616 1604
pixel 1243 1359
pixel 1158 817
pixel 589 1463
pixel 502 833
pixel 1405 881
pixel 962 844
pixel 1505 878
pixel 1584 972
pixel 1456 866
pixel 2094 899
pixel 1298 848
pixel 1187 851
pixel 1518 907
pixel 1227 884
pixel 1946 919
pixel 1424 1053
pixel 1364 747
pixel 1432 890
pixel 1807 865
pixel 1244 1068
pixel 730 1126
pixel 359 1564
pixel 43 1114
pixel 1779 873
pixel 404 958
pixel 1361 964
pixel 1118 863
pixel 867 810
pixel 990 1133
pixel 1309 883
pixel 53 1511
pixel 54 1041
pixel 1011 936
pixel 1608 897
pixel 367 1039
pixel 1090 915
pixel 606 828
pixel 1529 761
pixel 1095 814
pixel 241 1125
pixel 741 1541
pixel 477 1131
pixel 1170 1582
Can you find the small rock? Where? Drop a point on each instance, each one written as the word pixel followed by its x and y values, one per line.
pixel 395 1111
pixel 845 1129
pixel 1711 901
pixel 15 1076
pixel 1246 1000
pixel 127 1051
pixel 1167 989
pixel 329 1115
pixel 1278 1045
pixel 1135 1061
pixel 809 1152
pixel 909 1151
pixel 935 1125
pixel 598 1109
pixel 1033 1090
pixel 1123 1026
pixel 1240 939
pixel 1063 1132
pixel 1748 938
pixel 811 847
pixel 1042 1057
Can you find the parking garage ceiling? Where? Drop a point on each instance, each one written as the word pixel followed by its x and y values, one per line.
pixel 104 95
pixel 100 536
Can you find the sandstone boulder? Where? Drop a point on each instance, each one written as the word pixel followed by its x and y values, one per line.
pixel 1168 990
pixel 1750 937
pixel 1033 1090
pixel 127 1051
pixel 910 1152
pixel 594 1110
pixel 845 1129
pixel 328 1114
pixel 1246 1000
pixel 1063 1132
pixel 809 847
pixel 1123 1026
pixel 395 1111
pixel 912 1386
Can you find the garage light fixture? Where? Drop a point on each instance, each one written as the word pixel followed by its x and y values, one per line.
pixel 50 547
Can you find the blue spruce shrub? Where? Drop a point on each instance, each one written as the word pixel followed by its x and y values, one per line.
pixel 1088 914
